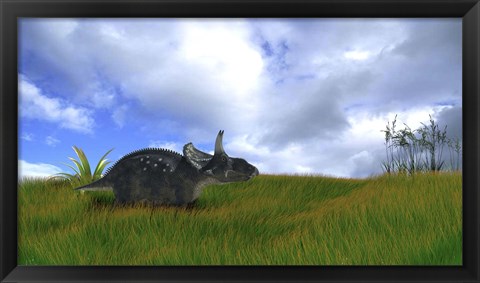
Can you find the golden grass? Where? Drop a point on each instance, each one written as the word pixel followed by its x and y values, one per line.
pixel 271 220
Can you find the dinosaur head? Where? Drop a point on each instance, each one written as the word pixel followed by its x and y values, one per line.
pixel 219 166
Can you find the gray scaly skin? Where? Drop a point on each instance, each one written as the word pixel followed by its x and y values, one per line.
pixel 162 176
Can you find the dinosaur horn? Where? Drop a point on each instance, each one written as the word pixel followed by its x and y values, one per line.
pixel 219 143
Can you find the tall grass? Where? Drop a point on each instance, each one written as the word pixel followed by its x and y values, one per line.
pixel 270 220
pixel 412 151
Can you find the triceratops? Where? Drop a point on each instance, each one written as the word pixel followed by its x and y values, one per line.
pixel 162 176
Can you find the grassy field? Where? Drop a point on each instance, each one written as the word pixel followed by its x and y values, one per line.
pixel 270 220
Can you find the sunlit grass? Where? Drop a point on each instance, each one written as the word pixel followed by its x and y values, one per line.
pixel 270 220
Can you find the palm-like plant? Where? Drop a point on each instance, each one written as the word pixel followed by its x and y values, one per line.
pixel 83 174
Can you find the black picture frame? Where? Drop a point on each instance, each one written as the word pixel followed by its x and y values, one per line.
pixel 11 10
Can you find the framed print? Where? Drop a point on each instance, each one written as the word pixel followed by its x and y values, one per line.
pixel 239 141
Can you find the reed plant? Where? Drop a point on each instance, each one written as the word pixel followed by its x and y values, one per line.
pixel 421 150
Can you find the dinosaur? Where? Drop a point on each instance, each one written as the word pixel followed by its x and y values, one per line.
pixel 165 177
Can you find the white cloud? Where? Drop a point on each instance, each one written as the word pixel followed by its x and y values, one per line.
pixel 51 141
pixel 357 55
pixel 26 169
pixel 27 136
pixel 103 98
pixel 210 76
pixel 363 142
pixel 204 73
pixel 356 152
pixel 35 105
pixel 224 52
pixel 119 115
pixel 289 159
pixel 297 95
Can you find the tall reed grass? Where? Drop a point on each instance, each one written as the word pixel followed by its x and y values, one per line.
pixel 412 151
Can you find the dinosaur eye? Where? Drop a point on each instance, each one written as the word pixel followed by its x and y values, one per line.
pixel 224 159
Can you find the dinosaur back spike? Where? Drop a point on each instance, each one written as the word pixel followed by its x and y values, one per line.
pixel 144 151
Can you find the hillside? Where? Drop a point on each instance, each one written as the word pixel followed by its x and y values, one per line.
pixel 270 220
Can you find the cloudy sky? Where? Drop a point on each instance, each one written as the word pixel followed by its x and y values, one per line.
pixel 293 95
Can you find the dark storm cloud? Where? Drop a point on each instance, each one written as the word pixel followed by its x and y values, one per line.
pixel 452 118
pixel 299 122
pixel 430 36
pixel 424 69
pixel 310 108
pixel 367 163
pixel 406 66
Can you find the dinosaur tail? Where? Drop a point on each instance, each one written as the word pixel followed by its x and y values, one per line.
pixel 98 185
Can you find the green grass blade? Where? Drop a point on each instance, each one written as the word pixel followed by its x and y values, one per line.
pixel 65 176
pixel 61 176
pixel 81 170
pixel 84 161
pixel 73 168
pixel 101 165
